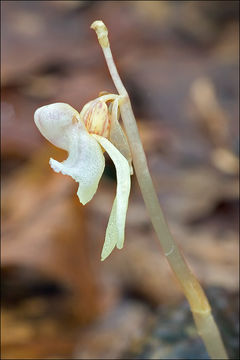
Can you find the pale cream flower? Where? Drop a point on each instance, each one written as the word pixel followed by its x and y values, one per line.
pixel 85 136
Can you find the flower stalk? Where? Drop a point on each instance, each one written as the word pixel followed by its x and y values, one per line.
pixel 192 289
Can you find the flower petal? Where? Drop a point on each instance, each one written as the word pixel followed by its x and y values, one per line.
pixel 117 136
pixel 116 224
pixel 85 164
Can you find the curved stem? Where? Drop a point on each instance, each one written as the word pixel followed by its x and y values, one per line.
pixel 193 291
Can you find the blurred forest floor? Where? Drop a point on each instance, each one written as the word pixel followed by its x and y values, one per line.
pixel 179 61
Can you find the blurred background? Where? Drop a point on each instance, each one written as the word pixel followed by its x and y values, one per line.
pixel 179 62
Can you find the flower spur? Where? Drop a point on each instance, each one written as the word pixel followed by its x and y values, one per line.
pixel 86 136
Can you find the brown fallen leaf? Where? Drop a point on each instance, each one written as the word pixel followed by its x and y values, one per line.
pixel 43 228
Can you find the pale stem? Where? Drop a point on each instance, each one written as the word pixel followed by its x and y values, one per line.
pixel 193 291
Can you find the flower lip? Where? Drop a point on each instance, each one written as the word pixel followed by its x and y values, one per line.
pixel 56 122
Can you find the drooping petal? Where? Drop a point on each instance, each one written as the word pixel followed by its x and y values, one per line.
pixel 116 224
pixel 117 136
pixel 85 164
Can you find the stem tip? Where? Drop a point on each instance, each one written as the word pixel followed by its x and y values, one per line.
pixel 102 33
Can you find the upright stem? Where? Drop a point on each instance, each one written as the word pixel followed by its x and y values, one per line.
pixel 193 291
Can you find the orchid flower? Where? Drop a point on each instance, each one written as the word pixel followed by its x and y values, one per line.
pixel 85 137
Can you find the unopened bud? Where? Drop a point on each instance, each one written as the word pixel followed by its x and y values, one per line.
pixel 102 32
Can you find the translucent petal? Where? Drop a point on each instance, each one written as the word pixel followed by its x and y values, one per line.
pixel 117 136
pixel 85 164
pixel 116 224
